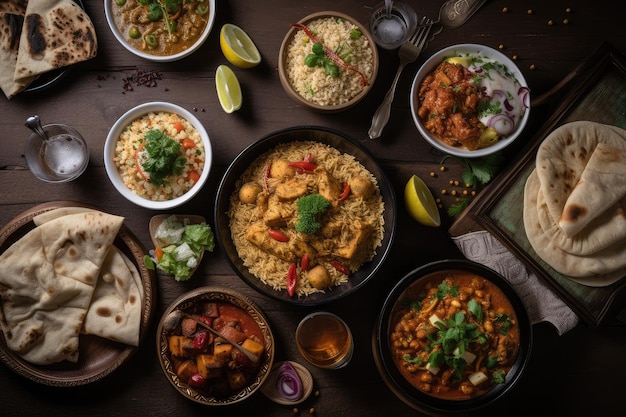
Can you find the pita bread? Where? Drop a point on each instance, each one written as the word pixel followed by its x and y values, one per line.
pixel 562 158
pixel 56 33
pixel 115 310
pixel 11 22
pixel 605 264
pixel 47 280
pixel 602 184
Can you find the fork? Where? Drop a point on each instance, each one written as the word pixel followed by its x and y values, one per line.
pixel 408 52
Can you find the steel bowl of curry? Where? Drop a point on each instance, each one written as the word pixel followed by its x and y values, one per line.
pixel 215 346
pixel 452 337
pixel 470 101
pixel 160 30
pixel 305 215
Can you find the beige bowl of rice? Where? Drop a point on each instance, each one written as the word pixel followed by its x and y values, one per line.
pixel 128 155
pixel 338 72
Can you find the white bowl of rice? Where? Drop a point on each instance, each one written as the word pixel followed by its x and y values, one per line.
pixel 158 155
pixel 328 61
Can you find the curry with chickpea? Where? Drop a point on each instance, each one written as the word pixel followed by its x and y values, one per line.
pixel 454 335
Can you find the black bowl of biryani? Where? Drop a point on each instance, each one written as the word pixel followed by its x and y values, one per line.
pixel 328 61
pixel 305 215
pixel 452 337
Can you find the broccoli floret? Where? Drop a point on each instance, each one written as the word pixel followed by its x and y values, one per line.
pixel 309 208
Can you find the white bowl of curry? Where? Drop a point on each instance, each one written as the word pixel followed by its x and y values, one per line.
pixel 470 101
pixel 161 31
pixel 452 337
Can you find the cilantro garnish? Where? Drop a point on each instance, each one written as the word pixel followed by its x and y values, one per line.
pixel 164 157
pixel 319 59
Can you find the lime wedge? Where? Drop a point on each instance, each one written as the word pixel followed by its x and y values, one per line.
pixel 420 202
pixel 228 89
pixel 238 48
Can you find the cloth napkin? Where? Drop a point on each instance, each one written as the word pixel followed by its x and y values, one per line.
pixel 541 302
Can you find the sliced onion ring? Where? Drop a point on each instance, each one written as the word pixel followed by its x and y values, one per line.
pixel 502 123
pixel 288 382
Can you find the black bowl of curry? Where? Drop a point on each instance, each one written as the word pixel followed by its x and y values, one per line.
pixel 453 336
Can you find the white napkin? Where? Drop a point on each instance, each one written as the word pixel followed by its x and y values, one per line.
pixel 541 302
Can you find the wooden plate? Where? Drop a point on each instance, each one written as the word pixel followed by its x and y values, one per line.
pixel 98 357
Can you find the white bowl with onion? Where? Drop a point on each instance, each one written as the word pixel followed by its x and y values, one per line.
pixel 504 89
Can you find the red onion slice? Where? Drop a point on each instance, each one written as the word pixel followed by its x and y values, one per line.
pixel 288 383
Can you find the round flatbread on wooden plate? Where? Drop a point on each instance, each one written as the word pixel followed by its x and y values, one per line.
pixel 98 357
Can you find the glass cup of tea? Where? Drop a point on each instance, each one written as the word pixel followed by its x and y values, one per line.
pixel 62 157
pixel 325 340
pixel 392 24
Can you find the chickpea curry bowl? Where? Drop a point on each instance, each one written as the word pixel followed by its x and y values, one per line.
pixel 160 30
pixel 453 336
pixel 305 215
pixel 215 346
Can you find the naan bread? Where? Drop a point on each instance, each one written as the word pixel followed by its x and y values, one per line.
pixel 115 310
pixel 56 33
pixel 604 264
pixel 11 22
pixel 602 184
pixel 563 156
pixel 47 280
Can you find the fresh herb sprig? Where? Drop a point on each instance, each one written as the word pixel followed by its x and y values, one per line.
pixel 319 59
pixel 479 172
pixel 164 157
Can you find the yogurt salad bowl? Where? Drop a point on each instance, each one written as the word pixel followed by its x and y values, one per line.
pixel 469 101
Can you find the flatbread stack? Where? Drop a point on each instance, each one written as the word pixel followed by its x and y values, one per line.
pixel 63 278
pixel 575 202
pixel 39 36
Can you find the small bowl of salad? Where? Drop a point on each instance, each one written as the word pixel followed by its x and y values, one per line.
pixel 470 101
pixel 180 242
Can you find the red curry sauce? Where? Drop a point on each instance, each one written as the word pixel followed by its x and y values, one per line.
pixel 425 327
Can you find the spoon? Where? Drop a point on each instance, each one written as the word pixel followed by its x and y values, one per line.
pixel 453 13
pixel 173 319
pixel 388 7
pixel 34 124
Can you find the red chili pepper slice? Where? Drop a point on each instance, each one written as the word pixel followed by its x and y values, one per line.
pixel 196 381
pixel 200 339
pixel 345 193
pixel 292 279
pixel 304 263
pixel 278 235
pixel 303 165
pixel 266 177
pixel 336 58
pixel 340 267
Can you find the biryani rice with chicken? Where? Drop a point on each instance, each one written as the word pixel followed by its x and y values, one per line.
pixel 129 154
pixel 351 229
pixel 313 83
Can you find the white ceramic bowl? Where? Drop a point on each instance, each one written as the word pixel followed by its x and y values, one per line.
pixel 114 134
pixel 431 64
pixel 108 4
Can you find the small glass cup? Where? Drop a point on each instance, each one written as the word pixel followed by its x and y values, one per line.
pixel 390 30
pixel 61 158
pixel 325 340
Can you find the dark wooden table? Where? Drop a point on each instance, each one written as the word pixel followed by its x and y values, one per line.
pixel 579 373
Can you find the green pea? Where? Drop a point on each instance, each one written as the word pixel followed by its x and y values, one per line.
pixel 120 2
pixel 134 32
pixel 202 8
pixel 152 41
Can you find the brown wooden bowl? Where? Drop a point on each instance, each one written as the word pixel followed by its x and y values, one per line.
pixel 283 59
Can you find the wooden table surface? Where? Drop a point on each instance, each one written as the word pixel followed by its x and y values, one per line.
pixel 579 373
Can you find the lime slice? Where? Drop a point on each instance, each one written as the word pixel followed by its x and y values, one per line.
pixel 238 48
pixel 228 89
pixel 420 202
